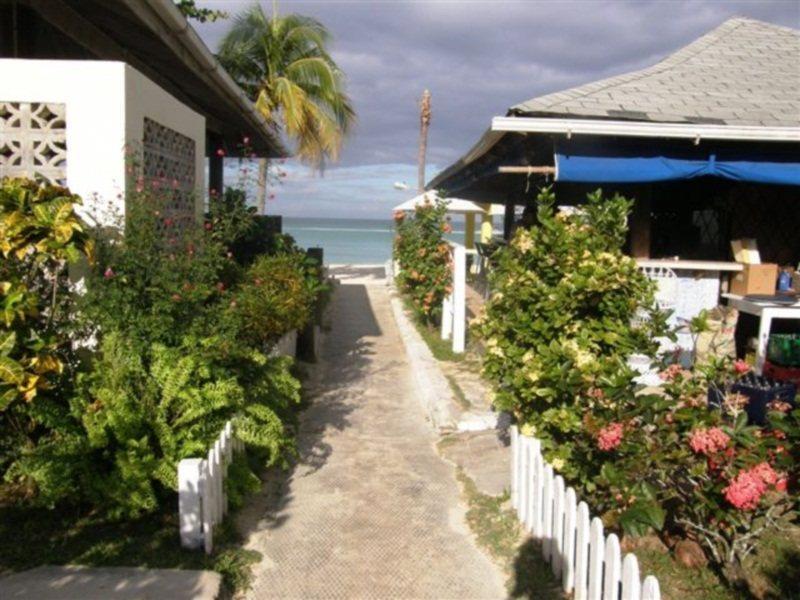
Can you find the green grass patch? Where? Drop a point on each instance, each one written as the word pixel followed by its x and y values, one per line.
pixel 772 571
pixel 441 349
pixel 458 393
pixel 34 537
pixel 497 530
pixel 679 582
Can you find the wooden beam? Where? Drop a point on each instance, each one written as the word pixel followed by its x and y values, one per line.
pixel 527 170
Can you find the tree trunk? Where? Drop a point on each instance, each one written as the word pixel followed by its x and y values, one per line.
pixel 263 165
pixel 424 122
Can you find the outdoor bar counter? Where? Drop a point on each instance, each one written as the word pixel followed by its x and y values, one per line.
pixel 699 284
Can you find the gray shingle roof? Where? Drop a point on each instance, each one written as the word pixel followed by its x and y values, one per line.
pixel 744 72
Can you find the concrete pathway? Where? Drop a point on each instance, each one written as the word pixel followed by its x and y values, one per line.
pixel 104 583
pixel 371 510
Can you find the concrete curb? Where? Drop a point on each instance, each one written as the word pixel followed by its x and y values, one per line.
pixel 433 390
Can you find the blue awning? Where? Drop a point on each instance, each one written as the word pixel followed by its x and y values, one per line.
pixel 636 163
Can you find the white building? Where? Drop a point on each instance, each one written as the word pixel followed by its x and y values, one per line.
pixel 88 87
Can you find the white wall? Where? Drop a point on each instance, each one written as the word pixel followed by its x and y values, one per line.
pixel 146 99
pixel 106 103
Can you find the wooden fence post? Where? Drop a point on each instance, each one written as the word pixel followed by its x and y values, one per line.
pixel 535 459
pixel 189 502
pixel 596 552
pixel 547 513
pixel 206 487
pixel 570 521
pixel 557 547
pixel 631 585
pixel 514 432
pixel 650 589
pixel 612 568
pixel 525 473
pixel 459 299
pixel 582 553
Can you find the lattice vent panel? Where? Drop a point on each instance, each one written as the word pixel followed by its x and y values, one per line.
pixel 771 215
pixel 33 140
pixel 169 166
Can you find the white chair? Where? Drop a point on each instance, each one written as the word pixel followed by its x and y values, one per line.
pixel 666 300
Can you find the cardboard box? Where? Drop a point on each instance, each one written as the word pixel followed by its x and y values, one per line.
pixel 755 279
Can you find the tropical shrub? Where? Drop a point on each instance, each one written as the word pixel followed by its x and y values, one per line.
pixel 558 327
pixel 162 358
pixel 158 281
pixel 143 414
pixel 567 310
pixel 278 294
pixel 695 473
pixel 423 257
pixel 40 237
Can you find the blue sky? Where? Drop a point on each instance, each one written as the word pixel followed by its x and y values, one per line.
pixel 477 58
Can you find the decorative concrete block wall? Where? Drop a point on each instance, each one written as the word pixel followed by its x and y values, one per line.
pixel 75 122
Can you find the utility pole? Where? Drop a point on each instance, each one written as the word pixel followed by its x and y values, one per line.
pixel 424 123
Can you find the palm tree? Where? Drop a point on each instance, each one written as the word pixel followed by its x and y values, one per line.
pixel 282 63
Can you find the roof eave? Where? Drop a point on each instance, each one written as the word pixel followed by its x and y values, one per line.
pixel 176 25
pixel 645 129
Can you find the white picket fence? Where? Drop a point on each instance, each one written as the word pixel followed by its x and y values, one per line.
pixel 202 502
pixel 454 305
pixel 588 562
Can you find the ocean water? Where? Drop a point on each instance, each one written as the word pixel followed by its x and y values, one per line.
pixel 347 241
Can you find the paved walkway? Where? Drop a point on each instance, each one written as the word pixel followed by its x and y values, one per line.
pixel 371 511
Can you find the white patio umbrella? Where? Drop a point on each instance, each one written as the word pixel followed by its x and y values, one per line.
pixel 463 207
pixel 454 205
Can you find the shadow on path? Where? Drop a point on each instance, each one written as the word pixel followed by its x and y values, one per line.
pixel 346 356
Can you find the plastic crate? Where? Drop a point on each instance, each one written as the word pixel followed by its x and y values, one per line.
pixel 761 391
pixel 784 349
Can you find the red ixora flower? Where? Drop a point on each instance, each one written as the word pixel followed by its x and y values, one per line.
pixel 745 490
pixel 610 436
pixel 741 367
pixel 671 372
pixel 708 441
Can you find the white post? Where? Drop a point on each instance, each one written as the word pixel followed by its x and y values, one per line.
pixel 459 298
pixel 582 552
pixel 650 589
pixel 189 503
pixel 568 567
pixel 536 458
pixel 225 460
pixel 514 432
pixel 538 494
pixel 210 500
pixel 547 514
pixel 218 481
pixel 612 568
pixel 206 487
pixel 557 547
pixel 631 585
pixel 447 316
pixel 525 487
pixel 596 552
